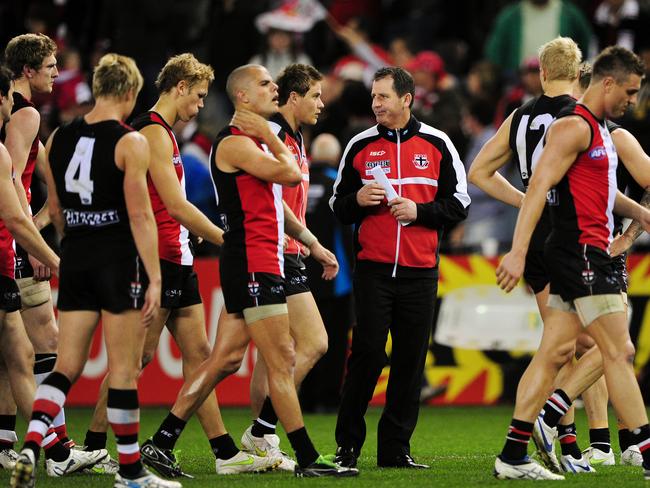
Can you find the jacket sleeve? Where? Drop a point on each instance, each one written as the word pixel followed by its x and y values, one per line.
pixel 452 201
pixel 344 195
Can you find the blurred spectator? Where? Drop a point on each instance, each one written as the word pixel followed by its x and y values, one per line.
pixel 438 101
pixel 320 391
pixel 71 94
pixel 521 28
pixel 620 22
pixel 366 57
pixel 489 222
pixel 401 51
pixel 283 27
pixel 529 87
pixel 484 81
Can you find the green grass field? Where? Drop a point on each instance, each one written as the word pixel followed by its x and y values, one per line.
pixel 458 443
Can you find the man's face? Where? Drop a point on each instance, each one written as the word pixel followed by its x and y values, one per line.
pixel 42 79
pixel 619 96
pixel 389 108
pixel 192 101
pixel 7 104
pixel 308 108
pixel 262 93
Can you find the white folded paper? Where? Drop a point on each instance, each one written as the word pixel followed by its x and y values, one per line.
pixel 380 177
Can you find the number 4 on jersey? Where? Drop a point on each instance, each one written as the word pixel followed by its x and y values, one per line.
pixel 77 175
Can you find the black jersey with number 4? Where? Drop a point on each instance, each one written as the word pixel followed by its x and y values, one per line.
pixel 527 130
pixel 89 185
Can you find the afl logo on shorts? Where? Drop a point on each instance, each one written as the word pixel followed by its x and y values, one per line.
pixel 599 152
pixel 588 277
pixel 254 288
pixel 136 289
pixel 420 161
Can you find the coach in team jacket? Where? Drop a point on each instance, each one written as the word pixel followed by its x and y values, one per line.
pixel 396 270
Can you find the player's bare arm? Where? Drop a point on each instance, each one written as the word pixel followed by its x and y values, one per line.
pixel 168 187
pixel 566 138
pixel 295 229
pixel 21 131
pixel 42 217
pixel 241 153
pixel 53 205
pixel 20 226
pixel 484 169
pixel 132 157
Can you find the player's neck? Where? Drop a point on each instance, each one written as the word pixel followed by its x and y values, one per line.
pixel 558 87
pixel 22 86
pixel 166 108
pixel 106 109
pixel 291 119
pixel 593 100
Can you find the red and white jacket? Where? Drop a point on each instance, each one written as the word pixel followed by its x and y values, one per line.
pixel 423 165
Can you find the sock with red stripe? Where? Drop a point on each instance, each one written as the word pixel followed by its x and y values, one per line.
pixel 49 400
pixel 43 366
pixel 53 447
pixel 641 438
pixel 124 417
pixel 266 422
pixel 568 440
pixel 556 407
pixel 7 431
pixel 516 446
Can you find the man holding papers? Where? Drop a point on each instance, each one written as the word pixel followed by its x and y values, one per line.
pixel 401 183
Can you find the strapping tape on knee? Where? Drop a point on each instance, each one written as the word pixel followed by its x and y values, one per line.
pixel 33 293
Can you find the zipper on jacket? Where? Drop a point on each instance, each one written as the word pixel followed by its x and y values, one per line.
pixel 399 192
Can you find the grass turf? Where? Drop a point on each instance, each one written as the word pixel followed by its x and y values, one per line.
pixel 458 442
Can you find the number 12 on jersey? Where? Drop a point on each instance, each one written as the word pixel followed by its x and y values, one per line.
pixel 77 175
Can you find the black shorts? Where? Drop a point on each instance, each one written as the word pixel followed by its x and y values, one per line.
pixel 23 267
pixel 620 265
pixel 115 283
pixel 578 271
pixel 295 275
pixel 535 270
pixel 247 290
pixel 9 295
pixel 180 286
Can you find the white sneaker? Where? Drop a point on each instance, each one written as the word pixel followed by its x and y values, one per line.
pixel 269 445
pixel 544 438
pixel 105 466
pixel 243 462
pixel 23 474
pixel 8 458
pixel 529 470
pixel 632 456
pixel 577 466
pixel 598 457
pixel 76 460
pixel 145 480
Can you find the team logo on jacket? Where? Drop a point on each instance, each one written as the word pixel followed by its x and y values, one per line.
pixel 599 152
pixel 420 161
pixel 254 288
pixel 588 277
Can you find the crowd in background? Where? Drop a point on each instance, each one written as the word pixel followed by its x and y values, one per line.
pixel 473 61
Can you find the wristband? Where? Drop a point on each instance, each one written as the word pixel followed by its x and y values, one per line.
pixel 307 238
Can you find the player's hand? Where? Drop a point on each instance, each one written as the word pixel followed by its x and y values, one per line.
pixel 151 305
pixel 403 209
pixel 327 259
pixel 370 195
pixel 41 272
pixel 251 123
pixel 510 270
pixel 620 244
